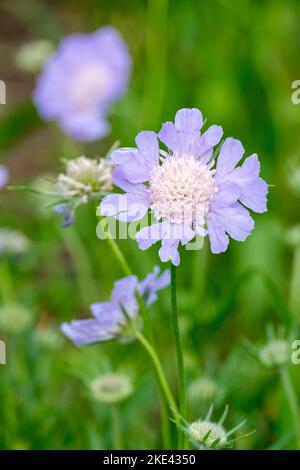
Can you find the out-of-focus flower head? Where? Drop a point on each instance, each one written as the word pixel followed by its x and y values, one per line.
pixel 203 389
pixel 15 318
pixel 32 55
pixel 81 80
pixel 293 175
pixel 47 337
pixel 119 317
pixel 13 242
pixel 276 352
pixel 4 176
pixel 111 388
pixel 206 434
pixel 292 236
pixel 189 192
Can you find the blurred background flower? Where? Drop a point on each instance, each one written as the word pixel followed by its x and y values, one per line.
pixel 80 81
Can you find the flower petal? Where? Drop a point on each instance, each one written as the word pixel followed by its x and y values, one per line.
pixel 237 222
pixel 254 195
pixel 230 154
pixel 149 235
pixel 168 134
pixel 228 194
pixel 169 252
pixel 152 283
pixel 86 332
pixel 124 207
pixel 208 140
pixel 132 164
pixel 124 294
pixel 147 144
pixel 217 236
pixel 106 314
pixel 188 120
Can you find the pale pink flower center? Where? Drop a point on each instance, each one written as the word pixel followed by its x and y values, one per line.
pixel 181 189
pixel 89 85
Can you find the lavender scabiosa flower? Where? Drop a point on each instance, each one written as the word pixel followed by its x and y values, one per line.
pixel 80 81
pixel 119 317
pixel 187 191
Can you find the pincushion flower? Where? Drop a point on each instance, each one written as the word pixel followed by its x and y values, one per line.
pixel 188 190
pixel 119 317
pixel 84 179
pixel 80 81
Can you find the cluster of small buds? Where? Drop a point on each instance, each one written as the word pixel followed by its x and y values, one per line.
pixel 111 388
pixel 13 242
pixel 85 177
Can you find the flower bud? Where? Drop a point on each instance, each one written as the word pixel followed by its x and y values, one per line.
pixel 207 435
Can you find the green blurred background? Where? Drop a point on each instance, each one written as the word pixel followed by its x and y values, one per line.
pixel 236 61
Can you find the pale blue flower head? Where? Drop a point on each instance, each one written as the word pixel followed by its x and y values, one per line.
pixel 114 319
pixel 81 80
pixel 188 190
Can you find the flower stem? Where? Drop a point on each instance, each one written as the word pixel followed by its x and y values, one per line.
pixel 167 394
pixel 119 256
pixel 80 258
pixel 292 400
pixel 294 284
pixel 128 272
pixel 179 355
pixel 116 428
pixel 6 284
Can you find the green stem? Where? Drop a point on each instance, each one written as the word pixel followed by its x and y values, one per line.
pixel 6 283
pixel 179 355
pixel 80 258
pixel 200 262
pixel 295 280
pixel 128 272
pixel 119 256
pixel 165 425
pixel 167 394
pixel 292 400
pixel 116 428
